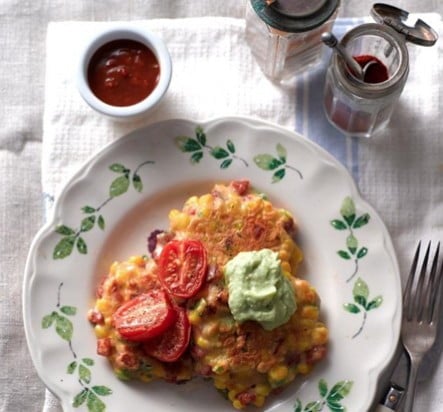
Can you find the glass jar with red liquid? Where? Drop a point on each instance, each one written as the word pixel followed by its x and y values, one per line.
pixel 285 35
pixel 363 106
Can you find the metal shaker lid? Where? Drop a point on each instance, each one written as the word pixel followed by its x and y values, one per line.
pixel 291 16
pixel 421 33
pixel 297 8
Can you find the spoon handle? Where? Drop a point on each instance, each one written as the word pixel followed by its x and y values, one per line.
pixel 331 41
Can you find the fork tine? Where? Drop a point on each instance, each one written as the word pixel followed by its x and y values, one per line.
pixel 435 287
pixel 422 296
pixel 407 298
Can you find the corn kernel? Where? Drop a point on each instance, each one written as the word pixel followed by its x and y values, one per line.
pixel 205 204
pixel 237 404
pixel 102 305
pixel 223 379
pixel 191 201
pixel 203 343
pixel 259 400
pixel 303 345
pixel 173 213
pixel 145 378
pixel 137 260
pixel 209 329
pixel 219 384
pixel 194 317
pixel 158 371
pixel 304 368
pixel 283 255
pixel 239 387
pixel 320 335
pixel 101 331
pixel 286 267
pixel 219 369
pixel 278 373
pixel 310 312
pixel 201 306
pixel 113 267
pixel 262 389
pixel 123 273
pixel 179 220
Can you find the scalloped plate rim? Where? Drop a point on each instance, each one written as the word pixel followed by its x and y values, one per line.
pixel 82 172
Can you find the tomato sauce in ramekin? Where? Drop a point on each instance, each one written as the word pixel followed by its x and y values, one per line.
pixel 123 72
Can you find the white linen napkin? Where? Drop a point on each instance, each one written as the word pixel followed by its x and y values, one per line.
pixel 399 171
pixel 214 74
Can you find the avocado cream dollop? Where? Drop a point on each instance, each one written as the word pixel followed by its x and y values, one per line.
pixel 258 290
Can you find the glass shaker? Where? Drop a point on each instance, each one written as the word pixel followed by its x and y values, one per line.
pixel 363 106
pixel 285 35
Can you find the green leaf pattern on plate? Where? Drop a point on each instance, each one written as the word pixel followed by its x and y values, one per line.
pixel 198 145
pixel 350 222
pixel 276 164
pixel 88 395
pixel 71 237
pixel 362 304
pixel 353 251
pixel 330 398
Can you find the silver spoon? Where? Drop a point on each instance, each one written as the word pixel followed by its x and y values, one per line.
pixel 331 41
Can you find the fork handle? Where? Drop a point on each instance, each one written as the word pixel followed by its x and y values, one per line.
pixel 412 383
pixel 382 408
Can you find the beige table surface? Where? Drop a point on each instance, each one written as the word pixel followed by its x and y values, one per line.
pixel 23 26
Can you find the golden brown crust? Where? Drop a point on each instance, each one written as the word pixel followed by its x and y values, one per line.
pixel 243 360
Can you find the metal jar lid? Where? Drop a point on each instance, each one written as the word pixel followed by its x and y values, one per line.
pixel 421 33
pixel 294 17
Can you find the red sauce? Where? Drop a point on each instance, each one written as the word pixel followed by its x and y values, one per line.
pixel 376 72
pixel 123 72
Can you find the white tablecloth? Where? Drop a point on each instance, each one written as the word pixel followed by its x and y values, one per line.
pixel 399 171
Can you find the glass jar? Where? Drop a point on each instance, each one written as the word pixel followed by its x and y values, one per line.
pixel 285 36
pixel 355 106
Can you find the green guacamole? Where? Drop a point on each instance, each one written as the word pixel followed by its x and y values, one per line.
pixel 258 290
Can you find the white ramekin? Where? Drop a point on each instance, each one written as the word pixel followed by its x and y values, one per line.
pixel 127 32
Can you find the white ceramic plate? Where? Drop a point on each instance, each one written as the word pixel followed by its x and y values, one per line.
pixel 109 207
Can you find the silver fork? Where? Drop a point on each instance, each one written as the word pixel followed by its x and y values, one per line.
pixel 421 301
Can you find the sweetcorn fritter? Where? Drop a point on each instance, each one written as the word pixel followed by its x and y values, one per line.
pixel 245 362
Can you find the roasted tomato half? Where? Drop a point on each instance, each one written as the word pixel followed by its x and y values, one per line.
pixel 171 344
pixel 182 267
pixel 145 316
